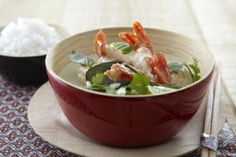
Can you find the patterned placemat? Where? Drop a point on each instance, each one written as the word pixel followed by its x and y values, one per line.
pixel 17 138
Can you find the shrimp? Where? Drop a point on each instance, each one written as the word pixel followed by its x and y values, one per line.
pixel 119 72
pixel 152 64
pixel 105 50
pixel 138 38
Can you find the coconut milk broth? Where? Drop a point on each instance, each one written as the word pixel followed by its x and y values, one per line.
pixel 69 72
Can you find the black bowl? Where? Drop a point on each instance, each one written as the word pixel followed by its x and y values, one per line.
pixel 27 70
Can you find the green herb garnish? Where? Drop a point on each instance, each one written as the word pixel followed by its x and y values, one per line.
pixel 97 84
pixel 139 84
pixel 124 47
pixel 194 70
pixel 98 78
pixel 81 59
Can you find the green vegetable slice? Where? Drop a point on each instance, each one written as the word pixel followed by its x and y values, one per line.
pixel 81 59
pixel 124 47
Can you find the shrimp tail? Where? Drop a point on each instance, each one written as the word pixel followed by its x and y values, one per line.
pixel 131 39
pixel 140 32
pixel 100 43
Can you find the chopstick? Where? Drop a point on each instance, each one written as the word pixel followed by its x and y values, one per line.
pixel 212 110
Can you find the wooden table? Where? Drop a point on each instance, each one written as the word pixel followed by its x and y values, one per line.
pixel 211 22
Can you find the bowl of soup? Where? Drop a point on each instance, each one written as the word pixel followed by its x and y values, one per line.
pixel 129 87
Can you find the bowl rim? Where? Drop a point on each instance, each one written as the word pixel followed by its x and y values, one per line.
pixel 56 77
pixel 23 57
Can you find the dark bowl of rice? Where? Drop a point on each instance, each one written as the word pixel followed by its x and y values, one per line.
pixel 22 60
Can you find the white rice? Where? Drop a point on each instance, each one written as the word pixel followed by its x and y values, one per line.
pixel 27 37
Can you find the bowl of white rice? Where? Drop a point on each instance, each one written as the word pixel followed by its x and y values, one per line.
pixel 24 44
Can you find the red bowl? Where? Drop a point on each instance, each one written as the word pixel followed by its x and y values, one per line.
pixel 128 121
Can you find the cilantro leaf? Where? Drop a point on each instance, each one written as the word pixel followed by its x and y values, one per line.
pixel 194 70
pixel 98 78
pixel 175 66
pixel 124 47
pixel 96 85
pixel 139 84
pixel 81 59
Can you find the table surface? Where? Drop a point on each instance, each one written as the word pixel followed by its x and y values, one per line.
pixel 211 22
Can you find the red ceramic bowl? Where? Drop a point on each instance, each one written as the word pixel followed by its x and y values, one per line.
pixel 128 121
